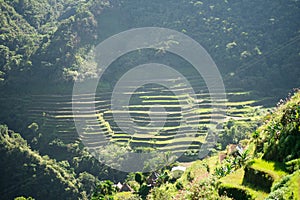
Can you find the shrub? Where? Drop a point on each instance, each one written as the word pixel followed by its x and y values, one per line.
pixel 160 193
pixel 139 178
pixel 205 189
pixel 293 165
pixel 178 185
pixel 280 135
pixel 286 188
pixel 277 194
pixel 126 196
pixel 281 183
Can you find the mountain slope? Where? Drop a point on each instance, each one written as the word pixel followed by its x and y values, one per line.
pixel 25 172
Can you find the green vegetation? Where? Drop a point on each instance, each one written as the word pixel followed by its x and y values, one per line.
pixel 31 168
pixel 279 137
pixel 269 176
pixel 47 45
pixel 244 175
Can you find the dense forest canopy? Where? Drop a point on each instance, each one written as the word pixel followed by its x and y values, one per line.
pixel 255 44
pixel 48 45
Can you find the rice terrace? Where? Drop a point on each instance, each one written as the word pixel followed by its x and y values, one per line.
pixel 149 100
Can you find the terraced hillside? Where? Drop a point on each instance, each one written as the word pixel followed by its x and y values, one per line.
pixel 166 119
pixel 159 118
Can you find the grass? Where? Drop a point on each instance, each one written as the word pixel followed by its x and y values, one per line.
pixel 123 195
pixel 196 169
pixel 235 180
pixel 273 168
pixel 241 103
pixel 295 184
pixel 212 161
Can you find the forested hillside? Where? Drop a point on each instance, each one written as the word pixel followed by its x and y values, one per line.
pixel 47 45
pixel 255 44
pixel 30 170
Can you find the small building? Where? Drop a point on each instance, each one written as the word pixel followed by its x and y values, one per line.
pixel 235 150
pixel 126 188
pixel 119 186
pixel 152 179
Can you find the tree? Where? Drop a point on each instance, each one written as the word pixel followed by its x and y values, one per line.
pixel 139 178
pixel 104 190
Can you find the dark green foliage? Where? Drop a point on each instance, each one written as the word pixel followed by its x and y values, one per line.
pixel 139 178
pixel 282 190
pixel 255 45
pixel 234 132
pixel 27 172
pixel 281 183
pixel 144 191
pixel 259 179
pixel 293 165
pixel 234 192
pixel 88 182
pixel 282 133
pixel 250 42
pixel 46 36
pixel 178 185
pixel 104 190
pixel 190 177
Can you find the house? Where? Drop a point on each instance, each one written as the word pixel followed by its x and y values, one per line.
pixel 235 150
pixel 126 188
pixel 152 178
pixel 119 185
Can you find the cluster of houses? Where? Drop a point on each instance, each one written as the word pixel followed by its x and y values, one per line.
pixel 152 179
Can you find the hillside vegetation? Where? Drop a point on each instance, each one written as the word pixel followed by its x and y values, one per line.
pixel 47 45
pixel 30 170
pixel 255 174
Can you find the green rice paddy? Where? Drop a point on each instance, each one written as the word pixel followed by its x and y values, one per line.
pixel 187 117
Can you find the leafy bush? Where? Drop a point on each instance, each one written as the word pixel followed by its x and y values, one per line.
pixel 293 165
pixel 205 189
pixel 178 185
pixel 281 183
pixel 235 131
pixel 280 135
pixel 286 188
pixel 104 190
pixel 126 196
pixel 160 193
